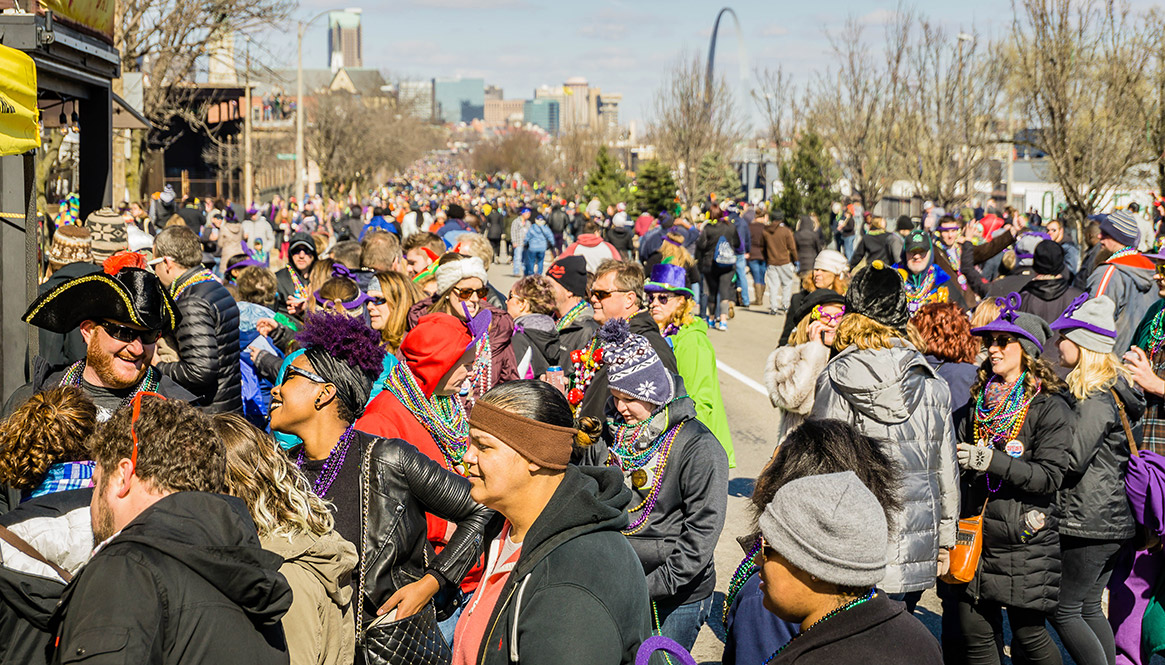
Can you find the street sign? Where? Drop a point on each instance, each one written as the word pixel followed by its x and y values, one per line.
pixel 285 156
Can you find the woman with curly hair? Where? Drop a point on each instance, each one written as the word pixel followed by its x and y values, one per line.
pixel 321 394
pixel 1014 450
pixel 880 380
pixel 673 307
pixel 297 525
pixel 535 341
pixel 950 349
pixel 42 444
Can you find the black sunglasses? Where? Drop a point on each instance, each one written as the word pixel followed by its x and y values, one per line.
pixel 467 293
pixel 1001 340
pixel 601 295
pixel 377 300
pixel 310 376
pixel 128 335
pixel 661 298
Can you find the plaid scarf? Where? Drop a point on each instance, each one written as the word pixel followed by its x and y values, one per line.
pixel 65 476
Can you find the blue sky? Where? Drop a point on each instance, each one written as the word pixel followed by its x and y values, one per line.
pixel 618 45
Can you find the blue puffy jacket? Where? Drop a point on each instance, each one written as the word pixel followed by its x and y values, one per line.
pixel 539 238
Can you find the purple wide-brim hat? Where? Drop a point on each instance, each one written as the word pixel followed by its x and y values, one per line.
pixel 1020 324
pixel 1081 314
pixel 670 278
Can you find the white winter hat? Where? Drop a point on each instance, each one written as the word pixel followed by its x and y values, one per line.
pixel 450 273
pixel 831 260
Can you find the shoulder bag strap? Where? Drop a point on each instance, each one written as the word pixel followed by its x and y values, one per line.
pixel 22 546
pixel 1125 423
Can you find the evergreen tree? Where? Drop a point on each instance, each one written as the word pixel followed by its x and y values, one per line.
pixel 715 176
pixel 607 182
pixel 656 188
pixel 808 176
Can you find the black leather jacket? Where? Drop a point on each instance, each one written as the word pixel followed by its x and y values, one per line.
pixel 404 484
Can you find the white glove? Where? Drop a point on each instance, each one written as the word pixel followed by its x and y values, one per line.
pixel 977 458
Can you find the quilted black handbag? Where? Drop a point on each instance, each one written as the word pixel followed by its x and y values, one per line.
pixel 413 640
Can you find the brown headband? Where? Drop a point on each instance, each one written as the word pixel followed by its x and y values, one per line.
pixel 546 445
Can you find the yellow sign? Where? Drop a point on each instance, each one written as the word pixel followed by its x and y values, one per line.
pixel 19 131
pixel 95 14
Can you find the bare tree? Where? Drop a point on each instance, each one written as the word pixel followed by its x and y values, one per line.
pixel 778 101
pixel 573 154
pixel 518 151
pixel 1153 101
pixel 947 124
pixel 684 129
pixel 1077 75
pixel 857 105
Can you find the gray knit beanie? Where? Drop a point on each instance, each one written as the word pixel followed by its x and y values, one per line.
pixel 831 526
pixel 1091 324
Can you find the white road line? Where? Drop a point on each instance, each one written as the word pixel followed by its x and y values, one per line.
pixel 741 378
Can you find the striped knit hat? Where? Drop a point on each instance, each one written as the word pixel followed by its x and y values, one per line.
pixel 1121 226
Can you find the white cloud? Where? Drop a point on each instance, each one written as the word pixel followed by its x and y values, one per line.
pixel 774 30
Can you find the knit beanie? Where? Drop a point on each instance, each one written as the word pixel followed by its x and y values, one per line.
pixel 1121 226
pixel 71 244
pixel 633 366
pixel 1049 258
pixel 877 292
pixel 1090 323
pixel 904 223
pixel 108 233
pixel 831 260
pixel 448 274
pixel 830 526
pixel 571 273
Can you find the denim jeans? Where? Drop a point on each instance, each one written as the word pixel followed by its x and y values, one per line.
pixel 757 268
pixel 847 245
pixel 742 279
pixel 516 260
pixel 448 625
pixel 1087 567
pixel 682 624
pixel 532 262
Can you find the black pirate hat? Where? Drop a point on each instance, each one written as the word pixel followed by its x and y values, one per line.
pixel 132 295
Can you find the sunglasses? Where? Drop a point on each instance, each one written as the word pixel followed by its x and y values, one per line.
pixel 133 432
pixel 128 335
pixel 310 376
pixel 601 295
pixel 661 298
pixel 467 293
pixel 377 300
pixel 1001 340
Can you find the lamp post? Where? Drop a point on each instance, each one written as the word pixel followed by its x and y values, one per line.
pixel 300 159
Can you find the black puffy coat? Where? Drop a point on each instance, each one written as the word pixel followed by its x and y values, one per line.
pixel 1018 570
pixel 534 334
pixel 403 485
pixel 208 347
pixel 185 582
pixel 709 238
pixel 1093 497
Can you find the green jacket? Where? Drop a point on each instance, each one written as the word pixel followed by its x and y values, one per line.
pixel 696 362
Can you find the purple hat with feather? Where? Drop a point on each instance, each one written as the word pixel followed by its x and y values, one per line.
pixel 1032 331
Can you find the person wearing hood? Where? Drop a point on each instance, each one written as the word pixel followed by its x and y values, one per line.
pixel 563 586
pixel 1126 277
pixel 1096 519
pixel 792 369
pixel 880 380
pixel 1014 450
pixel 574 319
pixel 179 575
pixel 294 280
pixel 678 473
pixel 295 524
pixel 673 307
pixel 1049 293
pixel 592 247
pixel 536 343
pixel 923 281
pixel 820 564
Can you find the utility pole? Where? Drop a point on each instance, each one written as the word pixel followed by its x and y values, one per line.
pixel 248 167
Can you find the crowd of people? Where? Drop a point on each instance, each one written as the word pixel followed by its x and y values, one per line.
pixel 321 434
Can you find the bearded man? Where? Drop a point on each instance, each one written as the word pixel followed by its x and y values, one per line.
pixel 121 312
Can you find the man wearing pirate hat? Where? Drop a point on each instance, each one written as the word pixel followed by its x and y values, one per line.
pixel 121 312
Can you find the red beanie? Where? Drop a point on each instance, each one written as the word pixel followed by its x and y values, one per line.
pixel 433 347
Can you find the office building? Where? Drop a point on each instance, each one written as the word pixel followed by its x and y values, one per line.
pixel 416 98
pixel 493 92
pixel 459 99
pixel 344 47
pixel 608 109
pixel 542 112
pixel 501 112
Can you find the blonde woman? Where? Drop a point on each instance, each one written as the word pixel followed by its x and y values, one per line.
pixel 830 271
pixel 389 298
pixel 1096 516
pixel 672 250
pixel 297 525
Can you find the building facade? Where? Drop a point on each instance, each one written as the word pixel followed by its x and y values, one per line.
pixel 543 113
pixel 344 41
pixel 501 112
pixel 459 99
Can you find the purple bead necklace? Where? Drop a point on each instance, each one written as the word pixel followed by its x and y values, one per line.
pixel 332 464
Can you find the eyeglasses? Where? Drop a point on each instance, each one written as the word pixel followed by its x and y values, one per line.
pixel 128 335
pixel 1001 340
pixel 377 300
pixel 660 298
pixel 467 293
pixel 820 314
pixel 601 295
pixel 310 376
pixel 133 432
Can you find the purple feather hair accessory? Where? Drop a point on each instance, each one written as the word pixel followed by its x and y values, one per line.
pixel 345 338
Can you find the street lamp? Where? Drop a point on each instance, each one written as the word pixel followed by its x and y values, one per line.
pixel 300 160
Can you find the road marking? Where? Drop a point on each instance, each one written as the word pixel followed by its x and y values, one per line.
pixel 741 378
